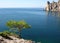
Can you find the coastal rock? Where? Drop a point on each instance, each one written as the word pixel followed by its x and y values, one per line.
pixel 15 40
pixel 54 6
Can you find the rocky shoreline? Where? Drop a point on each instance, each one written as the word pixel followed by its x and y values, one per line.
pixel 54 6
pixel 9 37
pixel 14 40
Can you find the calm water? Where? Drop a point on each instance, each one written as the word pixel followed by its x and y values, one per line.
pixel 45 25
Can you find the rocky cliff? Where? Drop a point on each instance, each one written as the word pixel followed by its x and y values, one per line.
pixel 9 37
pixel 54 6
pixel 13 40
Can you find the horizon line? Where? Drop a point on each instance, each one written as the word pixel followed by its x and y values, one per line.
pixel 20 7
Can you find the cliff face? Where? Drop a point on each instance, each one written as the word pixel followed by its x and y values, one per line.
pixel 14 40
pixel 54 6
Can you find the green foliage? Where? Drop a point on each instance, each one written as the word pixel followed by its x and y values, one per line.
pixel 11 24
pixel 6 34
pixel 17 25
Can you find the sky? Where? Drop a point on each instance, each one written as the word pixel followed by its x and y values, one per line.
pixel 23 3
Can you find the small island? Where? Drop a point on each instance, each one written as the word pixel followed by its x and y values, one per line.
pixel 54 6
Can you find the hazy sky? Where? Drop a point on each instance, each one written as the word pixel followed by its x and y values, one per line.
pixel 23 3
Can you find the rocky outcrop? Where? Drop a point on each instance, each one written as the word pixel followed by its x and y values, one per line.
pixel 14 40
pixel 54 6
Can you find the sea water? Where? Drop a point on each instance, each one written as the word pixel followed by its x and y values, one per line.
pixel 45 26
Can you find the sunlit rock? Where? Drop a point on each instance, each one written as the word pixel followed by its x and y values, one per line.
pixel 54 6
pixel 15 40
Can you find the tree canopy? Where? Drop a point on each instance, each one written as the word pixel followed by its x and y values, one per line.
pixel 18 25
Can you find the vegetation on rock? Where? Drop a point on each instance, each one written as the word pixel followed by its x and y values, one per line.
pixel 6 34
pixel 14 26
pixel 17 25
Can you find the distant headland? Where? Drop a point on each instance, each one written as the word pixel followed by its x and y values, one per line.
pixel 54 6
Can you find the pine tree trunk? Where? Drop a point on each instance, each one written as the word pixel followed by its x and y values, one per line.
pixel 20 34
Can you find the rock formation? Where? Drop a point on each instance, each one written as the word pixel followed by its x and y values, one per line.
pixel 14 40
pixel 54 6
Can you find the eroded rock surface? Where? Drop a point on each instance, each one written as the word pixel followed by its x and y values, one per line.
pixel 54 6
pixel 15 40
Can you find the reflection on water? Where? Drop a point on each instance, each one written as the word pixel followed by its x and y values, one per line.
pixel 57 14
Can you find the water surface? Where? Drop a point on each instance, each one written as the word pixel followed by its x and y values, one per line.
pixel 45 25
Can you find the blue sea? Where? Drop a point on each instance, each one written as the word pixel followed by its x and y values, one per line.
pixel 45 26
